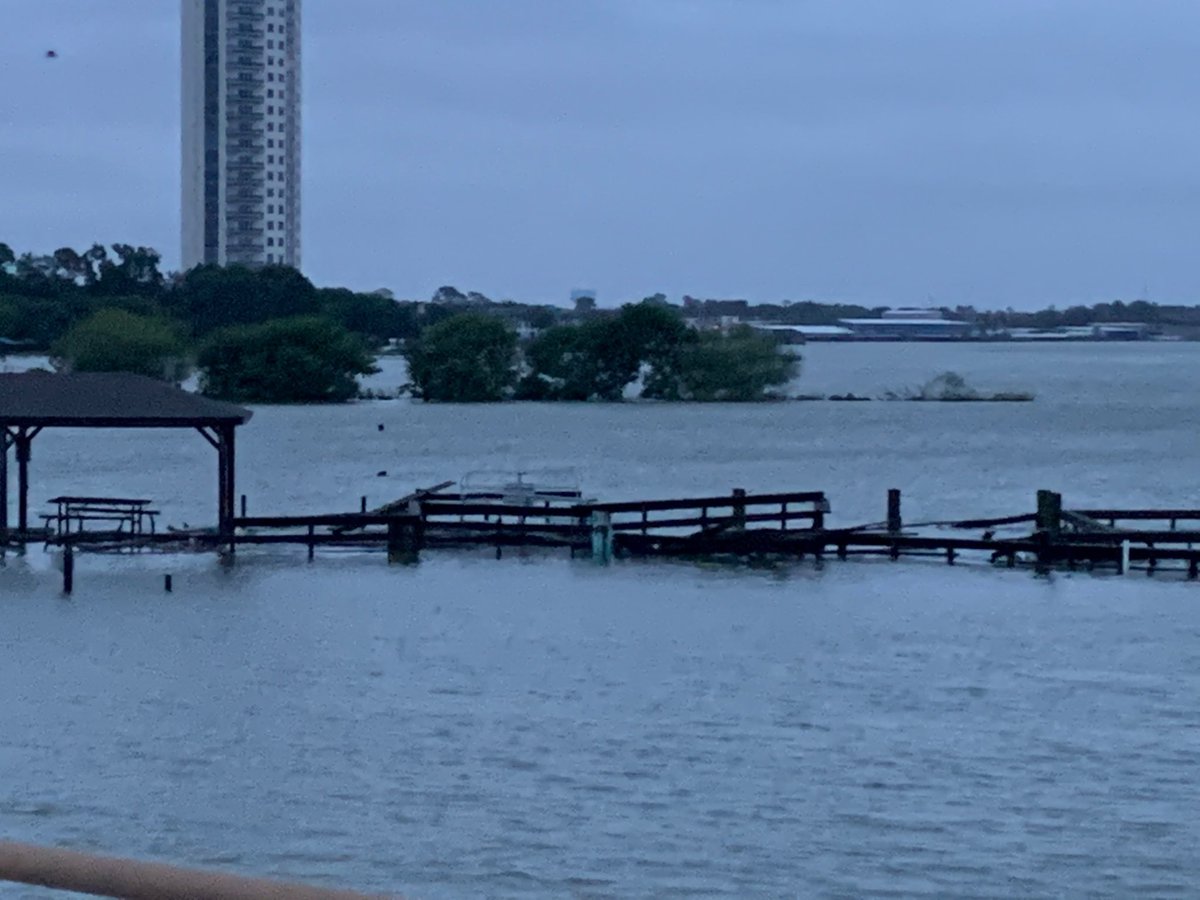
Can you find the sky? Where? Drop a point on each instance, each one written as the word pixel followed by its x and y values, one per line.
pixel 886 152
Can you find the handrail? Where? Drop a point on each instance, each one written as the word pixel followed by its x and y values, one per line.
pixel 129 879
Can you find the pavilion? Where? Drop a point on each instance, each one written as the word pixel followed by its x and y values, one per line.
pixel 32 401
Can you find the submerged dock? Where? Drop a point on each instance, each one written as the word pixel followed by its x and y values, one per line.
pixel 736 526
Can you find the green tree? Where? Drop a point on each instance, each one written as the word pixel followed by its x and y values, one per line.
pixel 7 257
pixel 376 318
pixel 212 297
pixel 467 358
pixel 296 360
pixel 134 272
pixel 113 340
pixel 600 358
pixel 741 365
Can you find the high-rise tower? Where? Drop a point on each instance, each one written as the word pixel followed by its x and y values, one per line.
pixel 241 132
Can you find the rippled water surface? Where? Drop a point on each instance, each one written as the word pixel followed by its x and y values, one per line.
pixel 538 726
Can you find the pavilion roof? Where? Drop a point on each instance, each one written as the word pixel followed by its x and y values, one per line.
pixel 107 400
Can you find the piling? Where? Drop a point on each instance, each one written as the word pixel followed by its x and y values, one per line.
pixel 243 506
pixel 167 583
pixel 739 509
pixel 1049 512
pixel 894 523
pixel 405 536
pixel 602 536
pixel 68 570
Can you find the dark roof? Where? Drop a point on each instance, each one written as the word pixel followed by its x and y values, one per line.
pixel 107 400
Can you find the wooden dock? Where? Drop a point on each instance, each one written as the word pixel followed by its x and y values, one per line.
pixel 737 525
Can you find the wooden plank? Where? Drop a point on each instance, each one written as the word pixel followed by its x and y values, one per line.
pixel 1136 514
pixel 724 501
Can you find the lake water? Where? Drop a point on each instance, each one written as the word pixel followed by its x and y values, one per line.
pixel 538 726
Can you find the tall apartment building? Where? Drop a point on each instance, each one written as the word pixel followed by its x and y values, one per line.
pixel 241 132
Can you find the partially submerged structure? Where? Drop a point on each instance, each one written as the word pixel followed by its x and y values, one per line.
pixel 33 401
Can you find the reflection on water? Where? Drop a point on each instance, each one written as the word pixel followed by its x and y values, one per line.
pixel 543 727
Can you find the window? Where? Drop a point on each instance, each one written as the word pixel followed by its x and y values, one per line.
pixel 270 92
pixel 270 76
pixel 270 26
pixel 270 176
pixel 270 192
pixel 270 110
pixel 271 225
pixel 270 45
pixel 270 126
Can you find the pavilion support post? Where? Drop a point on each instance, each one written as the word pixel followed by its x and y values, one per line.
pixel 5 443
pixel 23 438
pixel 226 481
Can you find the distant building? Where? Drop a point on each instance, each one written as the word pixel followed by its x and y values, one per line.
pixel 908 325
pixel 241 132
pixel 924 314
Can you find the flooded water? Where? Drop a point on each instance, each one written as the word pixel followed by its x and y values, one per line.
pixel 538 726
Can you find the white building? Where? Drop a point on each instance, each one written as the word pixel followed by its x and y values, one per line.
pixel 241 132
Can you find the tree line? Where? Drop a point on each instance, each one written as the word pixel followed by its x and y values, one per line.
pixel 474 357
pixel 255 335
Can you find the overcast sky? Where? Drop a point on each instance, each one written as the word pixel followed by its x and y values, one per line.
pixel 992 152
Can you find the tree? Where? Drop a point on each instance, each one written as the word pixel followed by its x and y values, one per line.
pixel 600 358
pixel 211 297
pixel 296 360
pixel 468 358
pixel 7 257
pixel 372 316
pixel 135 272
pixel 113 340
pixel 448 293
pixel 739 366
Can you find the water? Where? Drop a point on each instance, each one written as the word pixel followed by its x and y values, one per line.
pixel 541 727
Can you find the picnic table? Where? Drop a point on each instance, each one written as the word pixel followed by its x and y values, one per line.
pixel 120 513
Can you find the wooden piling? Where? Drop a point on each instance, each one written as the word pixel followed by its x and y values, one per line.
pixel 404 541
pixel 68 569
pixel 894 522
pixel 1049 512
pixel 739 509
pixel 168 586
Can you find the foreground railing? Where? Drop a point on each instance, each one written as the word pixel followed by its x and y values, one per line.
pixel 128 879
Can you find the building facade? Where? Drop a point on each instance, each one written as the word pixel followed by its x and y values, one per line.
pixel 241 132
